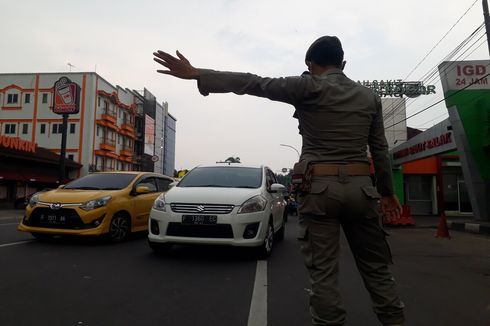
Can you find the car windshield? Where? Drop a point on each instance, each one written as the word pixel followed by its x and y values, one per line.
pixel 102 181
pixel 223 177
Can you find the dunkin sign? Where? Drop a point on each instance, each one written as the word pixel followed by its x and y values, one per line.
pixel 66 96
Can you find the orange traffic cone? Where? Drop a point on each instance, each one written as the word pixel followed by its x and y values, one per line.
pixel 442 230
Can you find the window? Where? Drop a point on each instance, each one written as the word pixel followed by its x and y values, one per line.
pixel 10 129
pixel 25 128
pixel 12 98
pixel 148 182
pixel 72 128
pixel 98 101
pixel 43 128
pixel 70 157
pixel 45 98
pixel 163 184
pixel 57 128
pixel 98 128
pixel 27 98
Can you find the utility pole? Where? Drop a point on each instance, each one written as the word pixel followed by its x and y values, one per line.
pixel 487 22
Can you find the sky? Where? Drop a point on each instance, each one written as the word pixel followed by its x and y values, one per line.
pixel 382 40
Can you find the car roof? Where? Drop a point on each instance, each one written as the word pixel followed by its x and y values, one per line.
pixel 231 165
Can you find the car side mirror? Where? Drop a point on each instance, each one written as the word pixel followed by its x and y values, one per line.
pixel 172 184
pixel 276 187
pixel 142 190
pixel 61 186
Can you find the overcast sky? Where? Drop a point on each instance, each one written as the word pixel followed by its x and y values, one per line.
pixel 382 39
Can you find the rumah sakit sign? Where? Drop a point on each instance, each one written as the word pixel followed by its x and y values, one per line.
pixel 66 99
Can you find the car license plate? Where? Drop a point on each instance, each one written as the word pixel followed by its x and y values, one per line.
pixel 53 219
pixel 200 219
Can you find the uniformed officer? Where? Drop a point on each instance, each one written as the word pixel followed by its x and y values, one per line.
pixel 338 119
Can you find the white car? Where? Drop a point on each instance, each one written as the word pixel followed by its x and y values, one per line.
pixel 221 204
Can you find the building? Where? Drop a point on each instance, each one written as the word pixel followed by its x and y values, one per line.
pixel 106 134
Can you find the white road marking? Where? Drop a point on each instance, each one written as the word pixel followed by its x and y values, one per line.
pixel 258 307
pixel 14 243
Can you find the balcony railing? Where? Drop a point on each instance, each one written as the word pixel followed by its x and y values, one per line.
pixel 108 144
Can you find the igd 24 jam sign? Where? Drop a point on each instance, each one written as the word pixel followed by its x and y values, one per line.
pixel 66 99
pixel 471 74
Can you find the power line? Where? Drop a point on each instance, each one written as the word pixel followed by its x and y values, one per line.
pixel 445 98
pixel 452 27
pixel 432 74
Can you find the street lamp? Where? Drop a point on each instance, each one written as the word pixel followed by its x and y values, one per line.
pixel 297 152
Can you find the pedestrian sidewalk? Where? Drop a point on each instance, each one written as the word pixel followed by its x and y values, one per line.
pixel 457 223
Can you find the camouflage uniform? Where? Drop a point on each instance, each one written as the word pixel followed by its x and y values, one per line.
pixel 338 119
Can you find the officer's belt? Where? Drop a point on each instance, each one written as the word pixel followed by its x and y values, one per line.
pixel 319 169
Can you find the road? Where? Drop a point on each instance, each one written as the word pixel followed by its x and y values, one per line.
pixel 89 283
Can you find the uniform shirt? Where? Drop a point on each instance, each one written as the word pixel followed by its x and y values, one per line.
pixel 338 118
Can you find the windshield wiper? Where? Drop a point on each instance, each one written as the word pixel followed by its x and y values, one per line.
pixel 248 187
pixel 111 188
pixel 206 186
pixel 84 188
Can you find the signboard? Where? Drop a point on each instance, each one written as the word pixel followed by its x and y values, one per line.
pixel 398 88
pixel 66 97
pixel 433 141
pixel 467 96
pixel 17 144
pixel 154 158
pixel 149 135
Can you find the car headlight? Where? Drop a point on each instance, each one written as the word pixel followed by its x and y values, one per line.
pixel 34 200
pixel 254 204
pixel 95 203
pixel 159 203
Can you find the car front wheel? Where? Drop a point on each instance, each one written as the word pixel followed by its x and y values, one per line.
pixel 120 228
pixel 265 249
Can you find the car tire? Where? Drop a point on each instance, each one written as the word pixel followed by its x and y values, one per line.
pixel 119 228
pixel 265 249
pixel 282 231
pixel 42 236
pixel 160 248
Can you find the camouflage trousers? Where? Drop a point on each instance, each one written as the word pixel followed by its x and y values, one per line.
pixel 350 202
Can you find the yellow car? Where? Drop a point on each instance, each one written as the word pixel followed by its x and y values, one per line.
pixel 113 204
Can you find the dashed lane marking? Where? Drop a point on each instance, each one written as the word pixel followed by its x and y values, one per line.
pixel 258 307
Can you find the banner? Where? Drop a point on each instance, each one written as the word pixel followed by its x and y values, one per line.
pixel 149 135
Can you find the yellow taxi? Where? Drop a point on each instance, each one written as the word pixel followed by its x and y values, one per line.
pixel 112 204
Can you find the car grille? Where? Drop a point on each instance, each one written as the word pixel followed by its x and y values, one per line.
pixel 221 231
pixel 64 218
pixel 201 208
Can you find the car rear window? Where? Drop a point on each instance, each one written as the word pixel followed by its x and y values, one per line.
pixel 223 177
pixel 103 181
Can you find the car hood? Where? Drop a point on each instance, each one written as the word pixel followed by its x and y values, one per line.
pixel 209 195
pixel 72 196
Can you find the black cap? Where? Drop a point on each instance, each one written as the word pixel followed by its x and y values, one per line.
pixel 325 51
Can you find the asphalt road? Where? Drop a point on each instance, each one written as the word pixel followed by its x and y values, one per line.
pixel 87 283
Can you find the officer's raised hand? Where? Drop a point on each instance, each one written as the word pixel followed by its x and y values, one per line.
pixel 179 67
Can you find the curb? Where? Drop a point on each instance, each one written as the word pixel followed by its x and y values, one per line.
pixel 469 227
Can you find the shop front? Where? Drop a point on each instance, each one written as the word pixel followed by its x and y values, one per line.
pixel 422 159
pixel 26 168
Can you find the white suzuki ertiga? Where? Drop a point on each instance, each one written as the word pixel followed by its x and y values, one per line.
pixel 222 204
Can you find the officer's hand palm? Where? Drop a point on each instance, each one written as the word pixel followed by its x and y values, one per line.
pixel 390 207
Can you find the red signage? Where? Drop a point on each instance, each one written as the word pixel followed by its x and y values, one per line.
pixel 17 144
pixel 425 145
pixel 66 97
